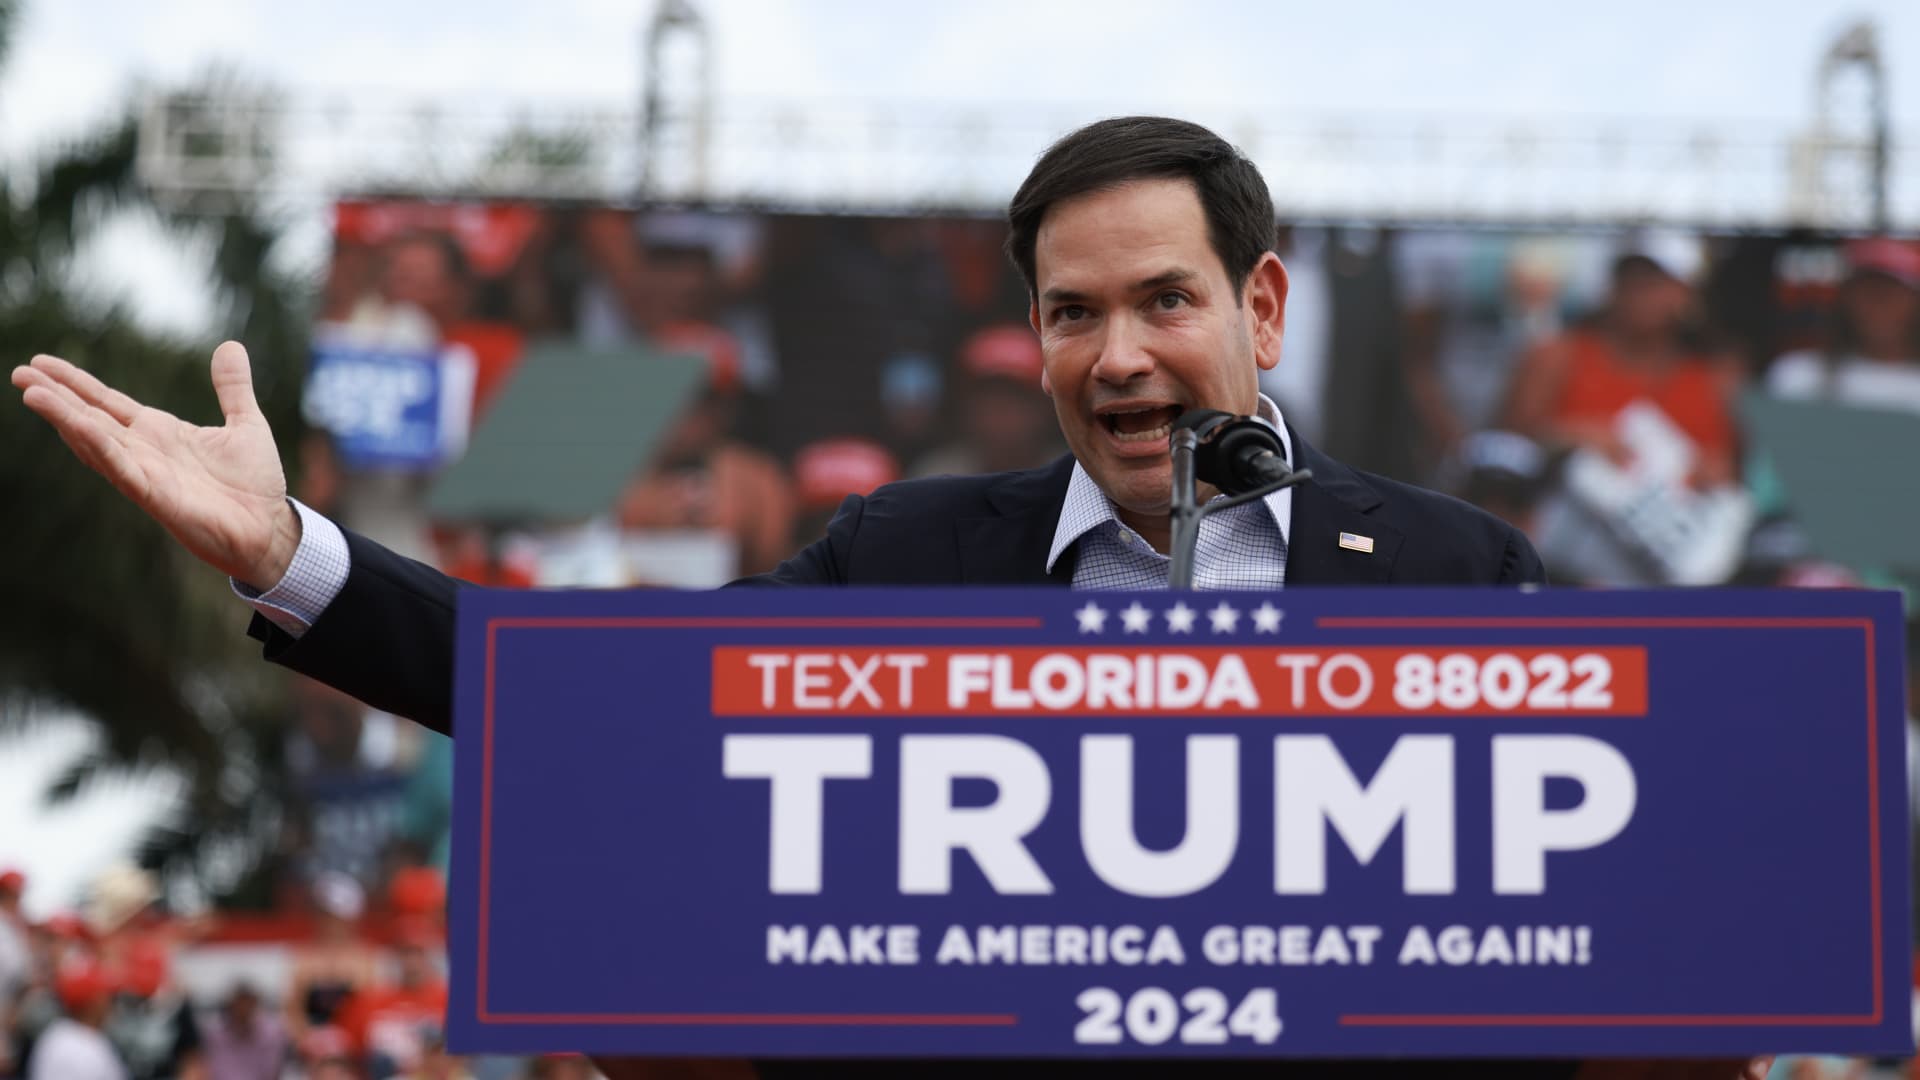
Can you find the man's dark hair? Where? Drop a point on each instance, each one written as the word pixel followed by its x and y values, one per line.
pixel 1107 153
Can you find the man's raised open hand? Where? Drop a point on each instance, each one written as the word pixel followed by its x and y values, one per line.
pixel 219 490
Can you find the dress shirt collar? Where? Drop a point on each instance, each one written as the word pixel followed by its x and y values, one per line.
pixel 1087 507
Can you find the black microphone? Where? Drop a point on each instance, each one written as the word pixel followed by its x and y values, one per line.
pixel 1236 454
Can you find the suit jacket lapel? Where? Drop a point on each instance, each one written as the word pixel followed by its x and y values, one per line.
pixel 1337 500
pixel 1010 548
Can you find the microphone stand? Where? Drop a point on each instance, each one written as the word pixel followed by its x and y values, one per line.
pixel 1185 511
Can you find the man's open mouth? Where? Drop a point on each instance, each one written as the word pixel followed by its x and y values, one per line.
pixel 1143 424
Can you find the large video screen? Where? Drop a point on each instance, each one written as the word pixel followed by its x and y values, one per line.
pixel 1555 377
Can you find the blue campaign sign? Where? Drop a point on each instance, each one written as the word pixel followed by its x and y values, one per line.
pixel 384 407
pixel 1007 823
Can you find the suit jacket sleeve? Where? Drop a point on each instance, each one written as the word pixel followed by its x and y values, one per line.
pixel 1519 563
pixel 387 638
pixel 825 561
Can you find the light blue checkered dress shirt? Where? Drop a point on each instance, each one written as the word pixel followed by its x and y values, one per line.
pixel 1244 547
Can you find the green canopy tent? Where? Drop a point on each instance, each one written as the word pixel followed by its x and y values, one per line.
pixel 567 432
pixel 1851 476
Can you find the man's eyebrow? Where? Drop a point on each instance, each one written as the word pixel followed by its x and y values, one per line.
pixel 1161 280
pixel 1174 276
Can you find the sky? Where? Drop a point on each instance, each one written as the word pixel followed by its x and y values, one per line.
pixel 73 62
pixel 1715 58
pixel 61 847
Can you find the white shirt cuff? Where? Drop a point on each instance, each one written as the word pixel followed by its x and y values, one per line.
pixel 316 575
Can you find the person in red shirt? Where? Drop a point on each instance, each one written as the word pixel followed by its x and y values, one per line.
pixel 391 1027
pixel 417 896
pixel 426 273
pixel 1645 346
pixel 75 1046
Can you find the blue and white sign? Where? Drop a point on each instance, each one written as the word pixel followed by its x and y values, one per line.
pixel 1008 823
pixel 391 408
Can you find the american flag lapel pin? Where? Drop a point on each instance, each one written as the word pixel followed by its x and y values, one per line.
pixel 1356 542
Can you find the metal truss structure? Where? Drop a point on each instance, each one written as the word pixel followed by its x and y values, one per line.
pixel 1842 171
pixel 892 158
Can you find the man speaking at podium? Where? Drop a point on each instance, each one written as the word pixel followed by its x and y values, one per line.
pixel 1146 247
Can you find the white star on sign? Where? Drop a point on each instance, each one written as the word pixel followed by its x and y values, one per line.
pixel 1224 618
pixel 1135 619
pixel 1180 618
pixel 1266 618
pixel 1093 618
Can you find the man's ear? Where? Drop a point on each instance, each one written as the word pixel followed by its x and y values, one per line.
pixel 1033 320
pixel 1265 301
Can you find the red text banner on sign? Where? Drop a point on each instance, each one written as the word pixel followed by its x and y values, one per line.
pixel 1173 681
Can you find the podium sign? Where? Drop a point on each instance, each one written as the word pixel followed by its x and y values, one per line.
pixel 1008 823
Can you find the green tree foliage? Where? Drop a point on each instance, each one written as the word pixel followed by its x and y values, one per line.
pixel 103 613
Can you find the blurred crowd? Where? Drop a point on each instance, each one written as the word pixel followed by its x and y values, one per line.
pixel 1601 406
pixel 340 987
pixel 837 354
pixel 1588 386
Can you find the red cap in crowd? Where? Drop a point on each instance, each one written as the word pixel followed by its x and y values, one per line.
pixel 1006 351
pixel 143 970
pixel 13 881
pixel 417 890
pixel 81 983
pixel 1883 255
pixel 832 469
